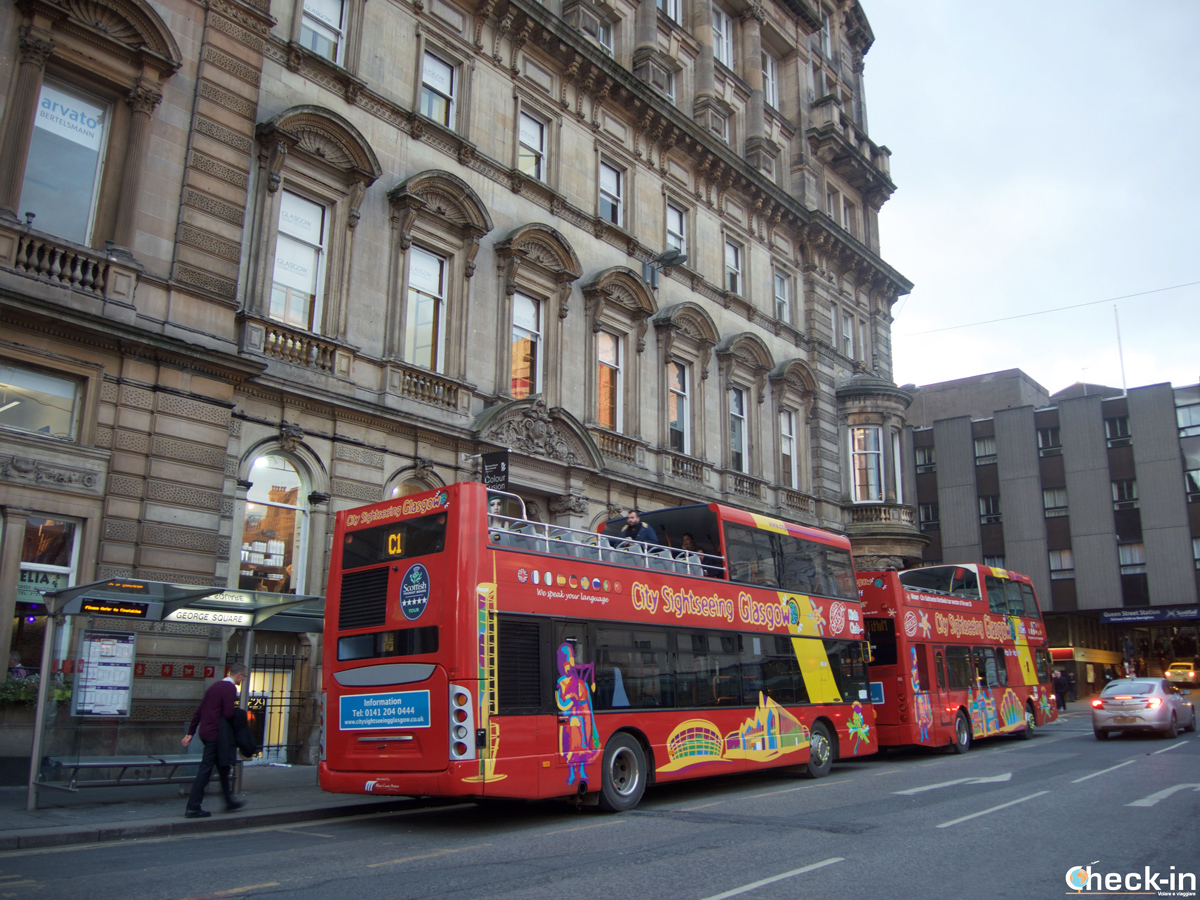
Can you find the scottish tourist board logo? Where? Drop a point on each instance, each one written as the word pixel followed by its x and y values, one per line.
pixel 414 592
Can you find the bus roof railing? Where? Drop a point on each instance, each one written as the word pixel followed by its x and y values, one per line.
pixel 525 534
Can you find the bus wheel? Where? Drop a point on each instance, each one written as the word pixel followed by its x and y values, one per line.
pixel 1027 732
pixel 820 752
pixel 623 776
pixel 962 734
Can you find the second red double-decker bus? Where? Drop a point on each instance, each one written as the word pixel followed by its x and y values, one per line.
pixel 958 652
pixel 478 655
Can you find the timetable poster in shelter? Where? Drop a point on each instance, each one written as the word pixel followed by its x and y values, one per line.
pixel 104 679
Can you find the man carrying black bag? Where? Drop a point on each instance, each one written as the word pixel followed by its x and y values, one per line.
pixel 217 721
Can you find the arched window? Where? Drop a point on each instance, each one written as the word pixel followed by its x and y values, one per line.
pixel 76 139
pixel 539 269
pixel 437 221
pixel 744 362
pixel 314 169
pixel 275 527
pixel 793 390
pixel 619 305
pixel 686 336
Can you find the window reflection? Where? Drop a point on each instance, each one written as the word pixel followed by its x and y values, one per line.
pixel 274 528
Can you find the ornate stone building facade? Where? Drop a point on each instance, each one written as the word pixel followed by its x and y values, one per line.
pixel 264 260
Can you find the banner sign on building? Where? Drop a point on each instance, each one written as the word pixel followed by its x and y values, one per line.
pixel 1150 614
pixel 495 470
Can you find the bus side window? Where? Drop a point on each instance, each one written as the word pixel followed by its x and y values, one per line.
pixel 1016 600
pixel 1029 601
pixel 997 598
pixel 960 674
pixel 965 584
pixel 751 555
pixel 922 655
pixel 985 666
pixel 1001 665
pixel 939 668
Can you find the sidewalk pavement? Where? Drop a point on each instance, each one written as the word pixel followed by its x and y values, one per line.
pixel 274 795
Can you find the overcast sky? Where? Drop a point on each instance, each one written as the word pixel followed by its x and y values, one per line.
pixel 1046 155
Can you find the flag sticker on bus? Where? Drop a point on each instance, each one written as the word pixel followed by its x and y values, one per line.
pixel 405 709
pixel 414 591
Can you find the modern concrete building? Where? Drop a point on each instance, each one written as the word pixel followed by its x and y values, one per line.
pixel 1094 492
pixel 261 261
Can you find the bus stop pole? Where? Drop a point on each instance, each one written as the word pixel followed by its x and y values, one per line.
pixel 243 702
pixel 39 716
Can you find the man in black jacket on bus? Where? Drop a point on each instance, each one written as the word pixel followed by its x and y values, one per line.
pixel 637 530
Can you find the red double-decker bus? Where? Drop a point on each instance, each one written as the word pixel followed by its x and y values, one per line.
pixel 479 654
pixel 958 652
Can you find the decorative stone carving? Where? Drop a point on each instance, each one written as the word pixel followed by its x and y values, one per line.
pixel 291 436
pixel 534 433
pixel 31 471
pixel 569 504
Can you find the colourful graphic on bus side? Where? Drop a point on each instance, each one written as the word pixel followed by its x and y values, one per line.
pixel 770 732
pixel 578 739
pixel 921 700
pixel 858 728
pixel 485 619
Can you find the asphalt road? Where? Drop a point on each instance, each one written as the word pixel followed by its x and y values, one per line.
pixel 1006 820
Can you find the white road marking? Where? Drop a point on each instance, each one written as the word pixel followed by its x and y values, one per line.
pixel 1172 747
pixel 1163 795
pixel 750 887
pixel 992 810
pixel 1104 771
pixel 1007 776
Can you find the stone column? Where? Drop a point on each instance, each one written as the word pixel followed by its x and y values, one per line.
pixel 752 20
pixel 646 26
pixel 10 571
pixel 34 49
pixel 142 100
pixel 706 78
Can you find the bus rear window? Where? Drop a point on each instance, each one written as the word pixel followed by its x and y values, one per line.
pixel 400 540
pixel 955 580
pixel 881 632
pixel 379 644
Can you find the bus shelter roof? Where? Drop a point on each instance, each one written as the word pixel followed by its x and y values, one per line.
pixel 161 601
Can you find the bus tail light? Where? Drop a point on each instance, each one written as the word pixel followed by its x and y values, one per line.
pixel 461 723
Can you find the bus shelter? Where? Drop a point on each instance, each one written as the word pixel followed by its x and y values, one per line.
pixel 90 658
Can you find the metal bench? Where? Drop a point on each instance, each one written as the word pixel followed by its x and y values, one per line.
pixel 170 768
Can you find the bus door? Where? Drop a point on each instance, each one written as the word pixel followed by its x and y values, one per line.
pixel 945 715
pixel 923 698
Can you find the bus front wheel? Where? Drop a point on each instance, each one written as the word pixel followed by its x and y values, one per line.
pixel 623 775
pixel 820 752
pixel 1030 723
pixel 962 733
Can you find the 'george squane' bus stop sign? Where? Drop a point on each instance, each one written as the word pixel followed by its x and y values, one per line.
pixel 495 470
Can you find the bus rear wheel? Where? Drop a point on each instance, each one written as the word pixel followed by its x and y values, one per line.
pixel 622 774
pixel 1027 732
pixel 820 752
pixel 962 733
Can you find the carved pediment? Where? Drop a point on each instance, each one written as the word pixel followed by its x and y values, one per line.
pixel 529 427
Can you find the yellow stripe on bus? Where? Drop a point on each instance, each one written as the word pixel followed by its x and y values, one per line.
pixel 810 652
pixel 1028 672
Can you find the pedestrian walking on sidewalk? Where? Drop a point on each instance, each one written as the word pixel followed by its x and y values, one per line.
pixel 220 702
pixel 1059 681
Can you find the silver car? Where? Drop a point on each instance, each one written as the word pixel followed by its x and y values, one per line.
pixel 1142 704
